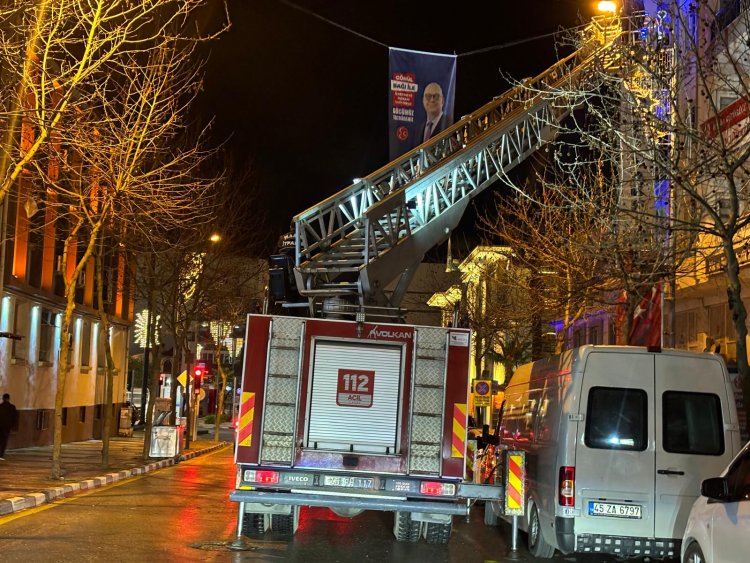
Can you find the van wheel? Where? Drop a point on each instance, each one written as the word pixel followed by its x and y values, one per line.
pixel 694 554
pixel 537 546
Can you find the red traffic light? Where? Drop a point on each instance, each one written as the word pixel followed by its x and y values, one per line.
pixel 198 372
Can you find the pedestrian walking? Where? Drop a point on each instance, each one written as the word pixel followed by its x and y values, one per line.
pixel 8 421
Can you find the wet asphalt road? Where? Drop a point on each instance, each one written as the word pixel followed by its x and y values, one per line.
pixel 182 513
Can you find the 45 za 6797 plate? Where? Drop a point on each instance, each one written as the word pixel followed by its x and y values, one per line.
pixel 614 510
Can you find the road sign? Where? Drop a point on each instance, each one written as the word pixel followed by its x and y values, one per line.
pixel 482 395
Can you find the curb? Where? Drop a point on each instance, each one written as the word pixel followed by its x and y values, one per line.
pixel 32 500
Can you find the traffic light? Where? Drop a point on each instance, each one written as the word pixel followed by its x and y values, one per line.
pixel 199 371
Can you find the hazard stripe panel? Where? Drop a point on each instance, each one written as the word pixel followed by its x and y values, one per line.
pixel 247 414
pixel 459 430
pixel 515 482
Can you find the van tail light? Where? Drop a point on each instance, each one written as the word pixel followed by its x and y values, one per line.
pixel 567 486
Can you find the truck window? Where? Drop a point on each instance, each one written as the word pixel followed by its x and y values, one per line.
pixel 692 423
pixel 616 419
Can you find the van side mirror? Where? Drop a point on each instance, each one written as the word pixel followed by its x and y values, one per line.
pixel 715 488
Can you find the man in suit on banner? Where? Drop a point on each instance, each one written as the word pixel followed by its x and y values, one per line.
pixel 436 120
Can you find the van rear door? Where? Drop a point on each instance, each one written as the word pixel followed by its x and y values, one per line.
pixel 692 444
pixel 614 464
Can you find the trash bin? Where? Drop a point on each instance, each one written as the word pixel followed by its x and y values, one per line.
pixel 126 426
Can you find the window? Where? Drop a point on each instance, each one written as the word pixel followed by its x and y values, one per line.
pixel 98 412
pixel 21 315
pixel 595 334
pixel 616 419
pixel 81 414
pixel 579 338
pixel 687 328
pixel 47 336
pixel 692 423
pixel 65 416
pixel 85 343
pixel 726 100
pixel 101 356
pixel 718 321
pixel 738 478
pixel 42 420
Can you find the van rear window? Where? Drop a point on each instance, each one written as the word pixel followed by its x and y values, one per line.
pixel 692 423
pixel 616 419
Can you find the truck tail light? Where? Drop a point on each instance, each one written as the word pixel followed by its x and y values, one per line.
pixel 434 488
pixel 567 486
pixel 262 476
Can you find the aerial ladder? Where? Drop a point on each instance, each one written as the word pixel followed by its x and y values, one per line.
pixel 354 254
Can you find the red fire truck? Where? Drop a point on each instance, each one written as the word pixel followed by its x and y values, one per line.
pixel 354 416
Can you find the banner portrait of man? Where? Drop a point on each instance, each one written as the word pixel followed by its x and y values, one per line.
pixel 422 93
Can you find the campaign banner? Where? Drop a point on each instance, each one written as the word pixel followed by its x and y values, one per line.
pixel 422 91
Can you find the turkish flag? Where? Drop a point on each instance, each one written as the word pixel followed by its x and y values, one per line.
pixel 646 327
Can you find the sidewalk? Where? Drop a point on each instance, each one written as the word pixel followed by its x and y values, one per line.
pixel 25 474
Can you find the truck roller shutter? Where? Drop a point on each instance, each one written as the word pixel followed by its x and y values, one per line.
pixel 355 397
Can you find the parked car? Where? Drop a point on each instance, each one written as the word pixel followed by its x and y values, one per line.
pixel 718 528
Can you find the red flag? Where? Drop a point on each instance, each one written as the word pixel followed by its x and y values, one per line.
pixel 646 328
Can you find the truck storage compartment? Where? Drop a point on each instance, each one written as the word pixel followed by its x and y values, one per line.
pixel 355 394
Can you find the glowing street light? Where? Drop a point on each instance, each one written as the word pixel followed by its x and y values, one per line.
pixel 215 237
pixel 607 7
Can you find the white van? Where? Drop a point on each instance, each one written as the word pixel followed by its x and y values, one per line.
pixel 617 442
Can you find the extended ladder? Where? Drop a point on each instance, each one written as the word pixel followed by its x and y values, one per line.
pixel 375 232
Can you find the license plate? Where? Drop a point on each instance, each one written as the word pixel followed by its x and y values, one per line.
pixel 616 510
pixel 348 482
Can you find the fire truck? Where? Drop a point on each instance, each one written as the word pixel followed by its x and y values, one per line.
pixel 342 405
pixel 354 415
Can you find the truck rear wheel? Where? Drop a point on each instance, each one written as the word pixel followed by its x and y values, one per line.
pixel 490 516
pixel 254 523
pixel 438 533
pixel 286 524
pixel 283 524
pixel 537 546
pixel 404 528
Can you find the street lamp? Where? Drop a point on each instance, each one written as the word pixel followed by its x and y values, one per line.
pixel 215 237
pixel 607 7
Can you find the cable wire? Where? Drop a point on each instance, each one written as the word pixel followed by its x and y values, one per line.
pixel 372 40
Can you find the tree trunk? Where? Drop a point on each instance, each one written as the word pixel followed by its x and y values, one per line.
pixel 220 399
pixel 739 315
pixel 63 369
pixel 149 400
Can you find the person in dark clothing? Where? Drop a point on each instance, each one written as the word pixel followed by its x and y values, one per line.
pixel 8 421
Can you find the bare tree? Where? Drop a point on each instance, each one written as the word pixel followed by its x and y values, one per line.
pixel 665 108
pixel 104 94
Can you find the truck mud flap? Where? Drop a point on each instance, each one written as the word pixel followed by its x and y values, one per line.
pixel 364 503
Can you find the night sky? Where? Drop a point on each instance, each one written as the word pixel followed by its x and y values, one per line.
pixel 307 101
